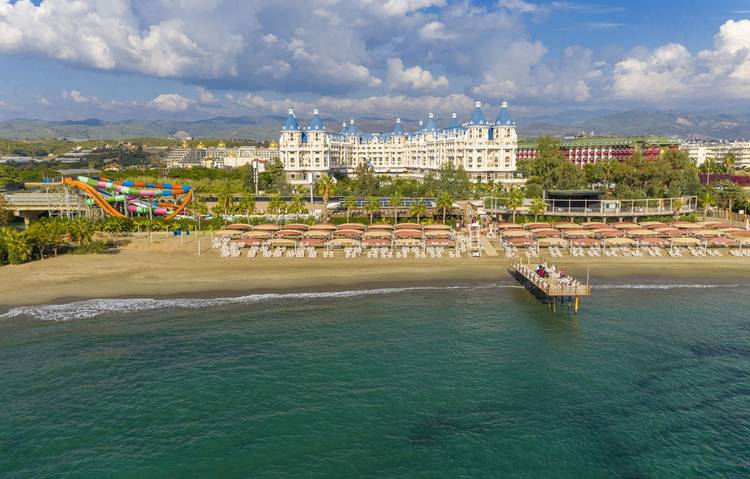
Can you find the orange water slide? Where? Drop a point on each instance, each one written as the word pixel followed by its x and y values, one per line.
pixel 182 206
pixel 96 196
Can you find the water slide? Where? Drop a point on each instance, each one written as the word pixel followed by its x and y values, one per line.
pixel 139 197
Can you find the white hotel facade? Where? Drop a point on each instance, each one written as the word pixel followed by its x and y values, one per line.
pixel 485 149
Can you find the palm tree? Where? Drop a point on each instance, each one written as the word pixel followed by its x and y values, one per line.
pixel 445 201
pixel 418 209
pixel 297 205
pixel 395 201
pixel 16 245
pixel 707 200
pixel 247 203
pixel 225 202
pixel 372 205
pixel 677 206
pixel 515 201
pixel 350 202
pixel 710 166
pixel 728 163
pixel 276 205
pixel 325 187
pixel 538 207
pixel 80 230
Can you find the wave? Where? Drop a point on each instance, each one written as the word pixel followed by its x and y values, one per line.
pixel 96 307
pixel 664 286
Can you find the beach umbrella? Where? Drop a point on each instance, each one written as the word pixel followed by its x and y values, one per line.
pixel 439 242
pixel 376 242
pixel 546 232
pixel 352 226
pixel 520 241
pixel 408 226
pixel 722 241
pixel 407 242
pixel 344 242
pixel 282 242
pixel 348 233
pixel 608 233
pixel 552 242
pixel 288 234
pixel 408 234
pixel 437 226
pixel 376 234
pixel 653 241
pixel 593 225
pixel 568 226
pixel 618 241
pixel 578 233
pixel 706 233
pixel 685 225
pixel 258 234
pixel 508 226
pixel 534 226
pixel 317 234
pixel 380 226
pixel 267 227
pixel 623 225
pixel 668 231
pixel 435 233
pixel 323 227
pixel 652 224
pixel 314 242
pixel 297 226
pixel 238 227
pixel 515 233
pixel 684 241
pixel 641 232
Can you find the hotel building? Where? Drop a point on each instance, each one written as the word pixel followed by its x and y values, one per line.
pixel 485 149
pixel 593 149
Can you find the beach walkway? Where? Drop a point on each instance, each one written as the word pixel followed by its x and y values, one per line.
pixel 489 250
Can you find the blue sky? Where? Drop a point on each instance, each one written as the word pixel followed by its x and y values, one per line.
pixel 149 59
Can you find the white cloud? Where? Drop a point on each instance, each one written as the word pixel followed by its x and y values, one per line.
pixel 270 39
pixel 43 101
pixel 170 102
pixel 672 73
pixel 206 97
pixel 434 31
pixel 413 78
pixel 519 6
pixel 76 97
pixel 401 7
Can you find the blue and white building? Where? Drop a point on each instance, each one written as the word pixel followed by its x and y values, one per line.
pixel 486 149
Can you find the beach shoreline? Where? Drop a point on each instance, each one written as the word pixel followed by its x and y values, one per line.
pixel 169 269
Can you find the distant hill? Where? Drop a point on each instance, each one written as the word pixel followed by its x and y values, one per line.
pixel 570 122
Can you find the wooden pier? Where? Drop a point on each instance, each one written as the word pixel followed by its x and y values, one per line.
pixel 551 289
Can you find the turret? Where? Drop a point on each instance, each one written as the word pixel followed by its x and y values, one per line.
pixel 453 125
pixel 431 126
pixel 316 124
pixel 397 130
pixel 503 118
pixel 477 117
pixel 291 122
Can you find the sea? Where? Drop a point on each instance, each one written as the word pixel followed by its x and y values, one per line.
pixel 457 381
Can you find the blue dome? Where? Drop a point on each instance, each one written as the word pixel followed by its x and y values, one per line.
pixel 430 126
pixel 453 125
pixel 291 122
pixel 316 123
pixel 397 130
pixel 344 129
pixel 477 118
pixel 503 118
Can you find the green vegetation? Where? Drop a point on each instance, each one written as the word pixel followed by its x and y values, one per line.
pixel 5 214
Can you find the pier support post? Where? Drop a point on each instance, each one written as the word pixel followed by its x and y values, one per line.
pixel 576 307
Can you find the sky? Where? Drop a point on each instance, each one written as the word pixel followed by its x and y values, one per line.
pixel 191 59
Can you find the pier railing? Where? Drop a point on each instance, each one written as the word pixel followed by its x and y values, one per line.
pixel 551 286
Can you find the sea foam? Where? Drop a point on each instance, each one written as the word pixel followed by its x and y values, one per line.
pixel 95 307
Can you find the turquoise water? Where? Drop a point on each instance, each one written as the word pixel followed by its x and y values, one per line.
pixel 476 381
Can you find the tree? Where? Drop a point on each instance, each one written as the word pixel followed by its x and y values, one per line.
pixel 247 203
pixel 707 200
pixel 366 183
pixel 80 230
pixel 297 205
pixel 395 201
pixel 677 205
pixel 350 202
pixel 418 209
pixel 5 213
pixel 728 163
pixel 538 207
pixel 372 205
pixel 16 245
pixel 730 195
pixel 709 166
pixel 276 205
pixel 225 202
pixel 445 201
pixel 43 235
pixel 274 178
pixel 514 201
pixel 325 186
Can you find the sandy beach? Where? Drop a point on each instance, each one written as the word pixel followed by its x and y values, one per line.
pixel 167 268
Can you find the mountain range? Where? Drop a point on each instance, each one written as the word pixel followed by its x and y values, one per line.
pixel 689 125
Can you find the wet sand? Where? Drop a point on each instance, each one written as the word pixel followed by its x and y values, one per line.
pixel 165 268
